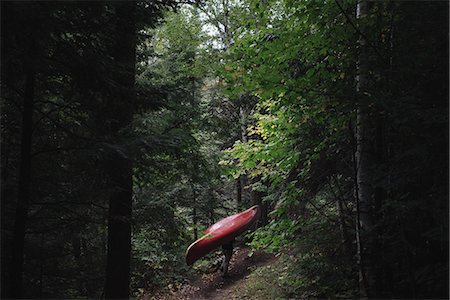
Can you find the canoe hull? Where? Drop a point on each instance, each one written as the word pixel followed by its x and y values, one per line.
pixel 222 232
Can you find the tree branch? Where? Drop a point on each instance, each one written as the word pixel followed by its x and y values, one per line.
pixel 383 59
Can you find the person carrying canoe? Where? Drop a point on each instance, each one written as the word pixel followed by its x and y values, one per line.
pixel 220 234
pixel 227 250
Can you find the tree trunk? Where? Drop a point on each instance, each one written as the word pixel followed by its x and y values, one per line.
pixel 243 116
pixel 257 199
pixel 238 192
pixel 194 211
pixel 87 262
pixel 365 164
pixel 345 238
pixel 243 179
pixel 225 34
pixel 76 251
pixel 194 221
pixel 342 225
pixel 119 233
pixel 24 186
pixel 117 285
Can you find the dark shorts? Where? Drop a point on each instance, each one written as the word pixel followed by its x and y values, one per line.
pixel 228 246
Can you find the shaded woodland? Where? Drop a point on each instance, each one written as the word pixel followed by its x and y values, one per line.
pixel 128 127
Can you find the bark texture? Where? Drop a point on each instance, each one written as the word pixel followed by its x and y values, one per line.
pixel 365 159
pixel 120 203
pixel 24 187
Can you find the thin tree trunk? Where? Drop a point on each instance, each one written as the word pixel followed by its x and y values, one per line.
pixel 194 221
pixel 226 34
pixel 194 212
pixel 227 37
pixel 87 263
pixel 76 251
pixel 341 218
pixel 359 262
pixel 238 192
pixel 365 163
pixel 343 227
pixel 243 116
pixel 243 179
pixel 117 285
pixel 24 187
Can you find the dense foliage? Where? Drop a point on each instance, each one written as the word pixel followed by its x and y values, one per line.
pixel 298 59
pixel 223 105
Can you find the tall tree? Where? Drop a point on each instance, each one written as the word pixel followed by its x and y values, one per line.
pixel 25 171
pixel 364 160
pixel 117 285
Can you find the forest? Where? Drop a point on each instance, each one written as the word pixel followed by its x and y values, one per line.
pixel 129 127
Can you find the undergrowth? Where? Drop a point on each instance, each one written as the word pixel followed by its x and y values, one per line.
pixel 295 276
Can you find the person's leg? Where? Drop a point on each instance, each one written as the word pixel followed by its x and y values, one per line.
pixel 226 261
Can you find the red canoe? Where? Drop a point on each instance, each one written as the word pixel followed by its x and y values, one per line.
pixel 221 233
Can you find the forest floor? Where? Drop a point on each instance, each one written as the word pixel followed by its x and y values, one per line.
pixel 214 286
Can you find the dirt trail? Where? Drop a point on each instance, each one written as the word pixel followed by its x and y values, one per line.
pixel 214 286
